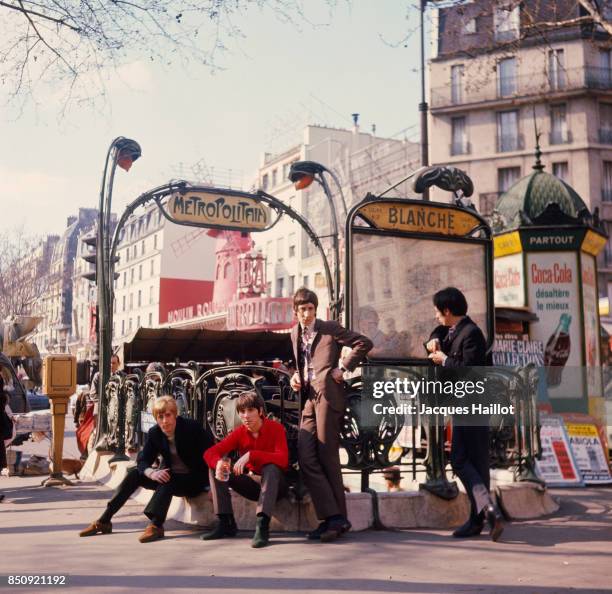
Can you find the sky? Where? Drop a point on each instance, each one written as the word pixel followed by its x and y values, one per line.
pixel 274 80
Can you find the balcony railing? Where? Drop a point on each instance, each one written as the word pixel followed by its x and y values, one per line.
pixel 560 137
pixel 510 142
pixel 542 83
pixel 460 148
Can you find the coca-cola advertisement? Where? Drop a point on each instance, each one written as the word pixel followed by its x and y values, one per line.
pixel 553 290
pixel 508 281
pixel 591 324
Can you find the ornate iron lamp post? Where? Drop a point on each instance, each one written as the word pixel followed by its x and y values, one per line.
pixel 302 174
pixel 122 152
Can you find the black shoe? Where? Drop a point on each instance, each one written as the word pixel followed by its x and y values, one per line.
pixel 495 521
pixel 316 533
pixel 335 529
pixel 261 537
pixel 226 527
pixel 470 528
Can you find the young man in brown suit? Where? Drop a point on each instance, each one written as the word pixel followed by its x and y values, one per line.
pixel 317 347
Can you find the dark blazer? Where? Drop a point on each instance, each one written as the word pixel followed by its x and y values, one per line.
pixel 468 346
pixel 325 352
pixel 191 443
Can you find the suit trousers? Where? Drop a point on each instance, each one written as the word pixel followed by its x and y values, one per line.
pixel 470 462
pixel 181 485
pixel 319 456
pixel 272 488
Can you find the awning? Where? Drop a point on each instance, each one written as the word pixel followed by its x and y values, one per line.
pixel 211 346
pixel 515 314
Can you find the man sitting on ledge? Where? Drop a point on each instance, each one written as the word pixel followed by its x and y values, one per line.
pixel 181 443
pixel 262 446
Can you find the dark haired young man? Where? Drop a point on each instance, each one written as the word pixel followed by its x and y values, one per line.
pixel 459 342
pixel 262 446
pixel 317 347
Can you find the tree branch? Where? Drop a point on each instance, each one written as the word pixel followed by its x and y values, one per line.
pixel 27 12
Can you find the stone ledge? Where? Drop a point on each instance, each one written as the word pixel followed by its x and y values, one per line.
pixel 525 501
pixel 407 509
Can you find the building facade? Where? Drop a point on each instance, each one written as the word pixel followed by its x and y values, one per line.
pixel 498 73
pixel 362 163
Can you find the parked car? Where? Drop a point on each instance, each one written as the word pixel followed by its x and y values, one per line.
pixel 38 401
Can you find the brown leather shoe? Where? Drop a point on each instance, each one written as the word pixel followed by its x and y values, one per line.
pixel 97 527
pixel 151 533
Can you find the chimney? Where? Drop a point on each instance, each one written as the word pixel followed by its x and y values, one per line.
pixel 355 123
pixel 70 220
pixel 373 129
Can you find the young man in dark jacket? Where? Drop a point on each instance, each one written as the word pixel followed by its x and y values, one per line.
pixel 181 444
pixel 459 342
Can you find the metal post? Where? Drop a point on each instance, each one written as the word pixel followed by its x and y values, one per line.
pixel 120 455
pixel 335 306
pixel 423 107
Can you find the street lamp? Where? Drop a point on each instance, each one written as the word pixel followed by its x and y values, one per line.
pixel 123 152
pixel 423 107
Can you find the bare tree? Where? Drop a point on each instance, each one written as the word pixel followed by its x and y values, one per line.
pixel 71 43
pixel 24 272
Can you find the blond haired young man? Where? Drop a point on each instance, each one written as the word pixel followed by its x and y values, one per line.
pixel 179 443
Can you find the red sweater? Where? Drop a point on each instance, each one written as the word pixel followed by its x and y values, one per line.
pixel 270 447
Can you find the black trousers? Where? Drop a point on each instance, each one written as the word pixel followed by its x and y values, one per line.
pixel 470 462
pixel 181 485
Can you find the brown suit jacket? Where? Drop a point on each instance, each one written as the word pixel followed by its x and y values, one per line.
pixel 325 352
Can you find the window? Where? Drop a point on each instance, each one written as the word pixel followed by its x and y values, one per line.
pixel 280 248
pixel 140 272
pixel 123 304
pixel 507 177
pixel 152 267
pixel 601 78
pixel 605 123
pixel 127 255
pixel 124 278
pixel 132 275
pixel 506 77
pixel 130 325
pixel 558 124
pixel 285 172
pixel 507 131
pixel 457 83
pixel 131 301
pixel 142 247
pixel 291 288
pixel 135 251
pixel 155 241
pixel 556 69
pixel 150 320
pixel 606 182
pixel 292 241
pixel 122 327
pixel 269 288
pixel 274 180
pixel 305 281
pixel 560 170
pixel 506 21
pixel 138 322
pixel 151 295
pixel 139 298
pixel 458 134
pixel 280 287
pixel 608 246
pixel 264 182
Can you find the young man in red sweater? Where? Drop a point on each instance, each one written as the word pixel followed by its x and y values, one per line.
pixel 262 446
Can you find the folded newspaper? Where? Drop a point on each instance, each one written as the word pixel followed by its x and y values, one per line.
pixel 37 420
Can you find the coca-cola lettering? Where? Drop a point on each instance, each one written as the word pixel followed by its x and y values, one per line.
pixel 559 273
pixel 507 278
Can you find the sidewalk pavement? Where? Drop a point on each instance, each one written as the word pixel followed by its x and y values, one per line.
pixel 39 528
